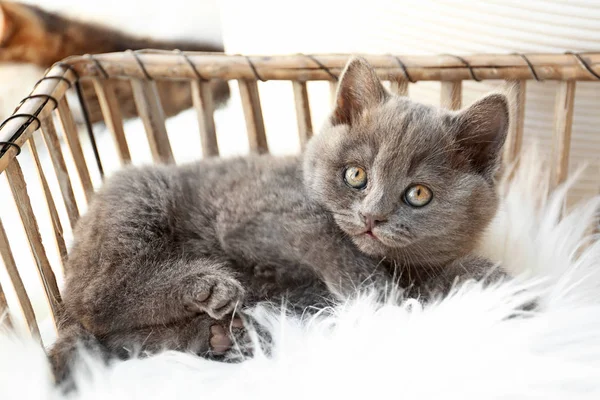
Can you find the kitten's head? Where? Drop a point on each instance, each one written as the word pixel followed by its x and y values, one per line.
pixel 406 180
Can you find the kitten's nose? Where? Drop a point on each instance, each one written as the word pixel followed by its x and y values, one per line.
pixel 371 220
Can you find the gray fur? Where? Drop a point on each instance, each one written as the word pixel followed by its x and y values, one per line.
pixel 166 251
pixel 162 244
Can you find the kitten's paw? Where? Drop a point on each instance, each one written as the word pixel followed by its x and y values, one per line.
pixel 223 337
pixel 215 294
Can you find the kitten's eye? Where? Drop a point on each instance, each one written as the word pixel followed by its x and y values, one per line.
pixel 418 195
pixel 355 177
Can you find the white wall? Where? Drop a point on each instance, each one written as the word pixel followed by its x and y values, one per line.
pixel 157 18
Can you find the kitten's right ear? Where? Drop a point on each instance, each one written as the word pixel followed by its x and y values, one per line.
pixel 359 89
pixel 482 130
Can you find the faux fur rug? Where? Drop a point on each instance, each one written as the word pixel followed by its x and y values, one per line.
pixel 474 344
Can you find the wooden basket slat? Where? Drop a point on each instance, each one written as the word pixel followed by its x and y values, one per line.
pixel 72 137
pixel 203 103
pixel 303 116
pixel 60 169
pixel 16 130
pixel 160 65
pixel 563 124
pixel 112 116
pixel 17 283
pixel 151 112
pixel 56 225
pixel 5 320
pixel 17 184
pixel 451 95
pixel 3 303
pixel 514 139
pixel 255 126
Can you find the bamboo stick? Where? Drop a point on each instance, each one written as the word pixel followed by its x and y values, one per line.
pixel 399 87
pixel 302 112
pixel 253 114
pixel 19 191
pixel 17 283
pixel 205 108
pixel 151 112
pixel 563 123
pixel 60 169
pixel 4 311
pixel 300 67
pixel 56 225
pixel 514 139
pixel 451 95
pixel 3 303
pixel 14 130
pixel 72 136
pixel 112 116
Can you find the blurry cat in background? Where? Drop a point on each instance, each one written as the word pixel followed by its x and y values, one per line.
pixel 29 34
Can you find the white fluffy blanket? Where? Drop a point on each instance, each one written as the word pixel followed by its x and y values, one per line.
pixel 465 346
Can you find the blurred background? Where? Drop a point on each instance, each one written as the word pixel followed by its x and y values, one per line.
pixel 334 26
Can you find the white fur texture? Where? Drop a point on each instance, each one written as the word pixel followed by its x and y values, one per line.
pixel 474 344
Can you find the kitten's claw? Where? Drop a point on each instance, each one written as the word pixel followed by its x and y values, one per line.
pixel 215 294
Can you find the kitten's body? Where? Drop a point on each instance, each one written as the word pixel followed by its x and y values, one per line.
pixel 29 34
pixel 153 235
pixel 163 246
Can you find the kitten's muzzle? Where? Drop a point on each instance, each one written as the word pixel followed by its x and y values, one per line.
pixel 371 220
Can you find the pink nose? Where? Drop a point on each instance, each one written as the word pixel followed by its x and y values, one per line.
pixel 371 220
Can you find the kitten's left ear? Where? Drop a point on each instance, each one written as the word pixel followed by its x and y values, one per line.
pixel 358 90
pixel 482 130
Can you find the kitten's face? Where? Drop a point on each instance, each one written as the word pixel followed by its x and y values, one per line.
pixel 405 180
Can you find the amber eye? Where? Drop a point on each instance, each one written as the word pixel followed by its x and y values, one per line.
pixel 355 177
pixel 418 195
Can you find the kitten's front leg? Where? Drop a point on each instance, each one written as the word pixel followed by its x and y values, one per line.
pixel 345 270
pixel 308 239
pixel 348 272
pixel 470 267
pixel 155 293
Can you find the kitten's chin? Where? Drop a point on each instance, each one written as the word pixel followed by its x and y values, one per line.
pixel 378 245
pixel 370 245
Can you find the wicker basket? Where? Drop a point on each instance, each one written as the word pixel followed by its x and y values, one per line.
pixel 32 129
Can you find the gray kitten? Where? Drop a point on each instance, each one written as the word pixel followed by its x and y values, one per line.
pixel 389 188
